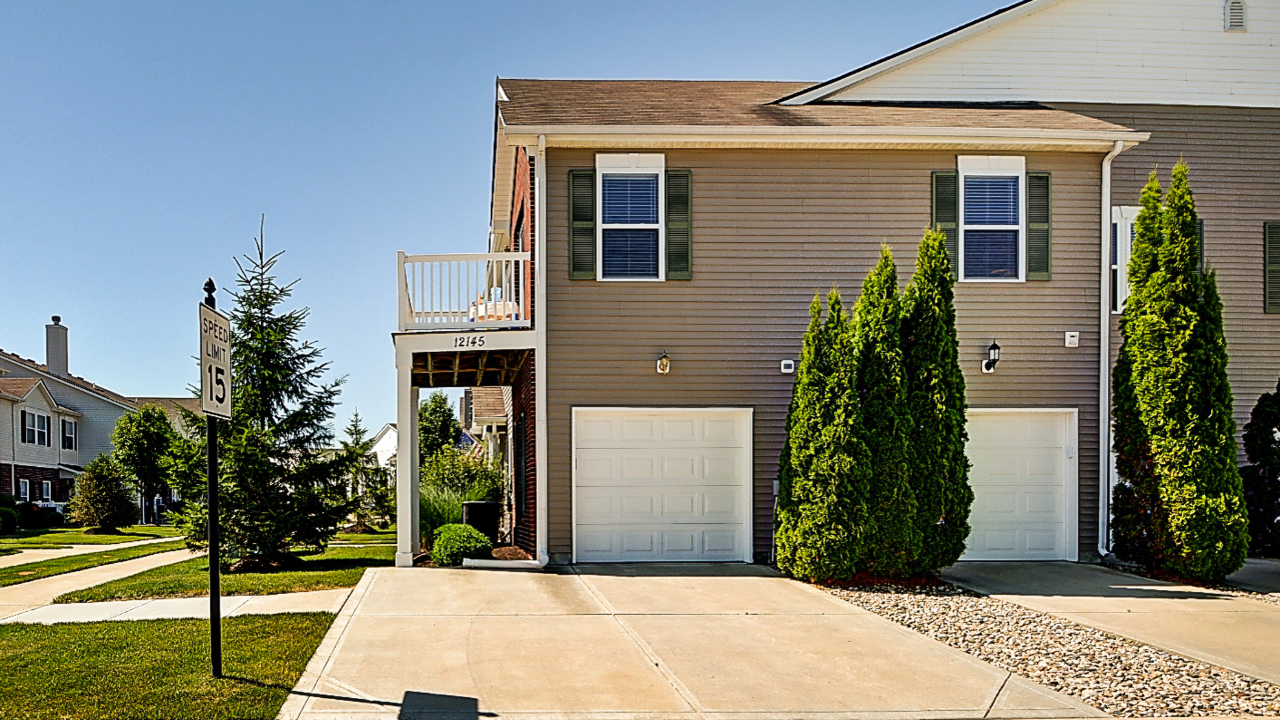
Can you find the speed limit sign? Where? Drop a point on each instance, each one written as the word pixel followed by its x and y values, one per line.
pixel 215 363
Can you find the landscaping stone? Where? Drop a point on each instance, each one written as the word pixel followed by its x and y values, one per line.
pixel 1116 675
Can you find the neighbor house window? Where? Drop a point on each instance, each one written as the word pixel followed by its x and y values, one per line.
pixel 630 242
pixel 993 192
pixel 68 434
pixel 1122 231
pixel 48 490
pixel 24 490
pixel 36 429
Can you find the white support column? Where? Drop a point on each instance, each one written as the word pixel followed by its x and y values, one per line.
pixel 408 536
pixel 540 354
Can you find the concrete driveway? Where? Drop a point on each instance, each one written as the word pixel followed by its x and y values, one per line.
pixel 631 642
pixel 1222 629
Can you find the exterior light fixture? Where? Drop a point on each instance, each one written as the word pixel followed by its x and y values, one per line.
pixel 993 357
pixel 664 364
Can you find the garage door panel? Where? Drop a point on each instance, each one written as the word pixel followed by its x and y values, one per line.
pixel 669 504
pixel 655 466
pixel 1022 541
pixel 606 429
pixel 658 543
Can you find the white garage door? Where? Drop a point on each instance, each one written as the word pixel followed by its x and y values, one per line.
pixel 1024 485
pixel 661 484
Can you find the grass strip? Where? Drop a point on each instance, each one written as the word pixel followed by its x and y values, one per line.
pixel 154 668
pixel 378 537
pixel 335 568
pixel 27 572
pixel 61 537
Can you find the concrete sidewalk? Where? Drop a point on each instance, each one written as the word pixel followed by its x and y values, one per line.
pixel 36 554
pixel 26 596
pixel 1219 628
pixel 198 607
pixel 629 642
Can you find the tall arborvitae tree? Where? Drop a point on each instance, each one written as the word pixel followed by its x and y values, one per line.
pixel 143 438
pixel 1262 476
pixel 1178 363
pixel 823 470
pixel 1136 510
pixel 939 476
pixel 892 537
pixel 281 485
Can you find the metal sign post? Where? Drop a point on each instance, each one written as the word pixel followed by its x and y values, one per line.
pixel 215 401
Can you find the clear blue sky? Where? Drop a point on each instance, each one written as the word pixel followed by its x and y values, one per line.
pixel 140 142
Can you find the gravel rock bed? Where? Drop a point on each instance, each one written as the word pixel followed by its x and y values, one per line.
pixel 1118 676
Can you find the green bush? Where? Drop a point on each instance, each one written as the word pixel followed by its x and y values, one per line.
pixel 1262 476
pixel 439 506
pixel 936 404
pixel 454 542
pixel 8 521
pixel 473 477
pixel 103 498
pixel 1182 505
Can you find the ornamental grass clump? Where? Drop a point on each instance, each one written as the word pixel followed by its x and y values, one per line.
pixel 1180 507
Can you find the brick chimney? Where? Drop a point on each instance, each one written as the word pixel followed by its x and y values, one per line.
pixel 55 347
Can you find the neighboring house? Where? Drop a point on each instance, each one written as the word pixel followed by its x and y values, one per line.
pixel 384 445
pixel 51 422
pixel 173 407
pixel 483 414
pixel 655 246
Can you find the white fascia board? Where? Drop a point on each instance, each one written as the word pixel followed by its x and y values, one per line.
pixel 911 54
pixel 839 137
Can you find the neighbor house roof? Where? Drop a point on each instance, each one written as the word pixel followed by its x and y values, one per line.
pixel 752 104
pixel 18 389
pixel 73 380
pixel 486 402
pixel 171 405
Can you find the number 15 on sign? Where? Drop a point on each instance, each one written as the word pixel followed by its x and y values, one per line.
pixel 215 363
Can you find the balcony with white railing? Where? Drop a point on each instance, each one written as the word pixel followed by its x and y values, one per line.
pixel 454 293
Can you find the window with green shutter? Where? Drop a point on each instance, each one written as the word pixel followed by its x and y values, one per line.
pixel 1039 226
pixel 946 213
pixel 679 225
pixel 1271 267
pixel 582 224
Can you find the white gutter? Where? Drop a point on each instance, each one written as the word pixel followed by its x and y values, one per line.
pixel 1104 361
pixel 540 352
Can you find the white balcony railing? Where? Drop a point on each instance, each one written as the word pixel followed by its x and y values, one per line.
pixel 488 291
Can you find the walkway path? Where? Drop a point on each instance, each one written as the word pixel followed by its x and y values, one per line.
pixel 37 554
pixel 1219 628
pixel 196 607
pixel 22 597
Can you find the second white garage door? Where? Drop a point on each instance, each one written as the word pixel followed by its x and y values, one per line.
pixel 1024 485
pixel 661 484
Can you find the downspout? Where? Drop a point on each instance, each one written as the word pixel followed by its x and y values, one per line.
pixel 1104 361
pixel 540 352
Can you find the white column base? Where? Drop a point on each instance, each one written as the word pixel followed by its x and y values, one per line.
pixel 404 559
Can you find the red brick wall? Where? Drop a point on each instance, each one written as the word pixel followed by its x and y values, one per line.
pixel 37 475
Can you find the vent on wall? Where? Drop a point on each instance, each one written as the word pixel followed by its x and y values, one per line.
pixel 1234 12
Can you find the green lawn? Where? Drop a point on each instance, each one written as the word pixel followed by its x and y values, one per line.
pixel 381 537
pixel 61 537
pixel 154 668
pixel 27 572
pixel 335 568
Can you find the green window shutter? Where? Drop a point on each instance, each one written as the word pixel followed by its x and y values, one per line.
pixel 1039 226
pixel 946 213
pixel 582 224
pixel 1271 267
pixel 679 226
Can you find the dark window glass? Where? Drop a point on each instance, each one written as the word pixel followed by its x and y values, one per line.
pixel 990 254
pixel 990 200
pixel 630 253
pixel 629 199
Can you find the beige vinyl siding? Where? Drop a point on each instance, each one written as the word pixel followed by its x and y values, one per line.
pixel 771 228
pixel 1234 156
pixel 9 418
pixel 28 453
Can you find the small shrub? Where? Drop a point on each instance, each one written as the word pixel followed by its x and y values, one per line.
pixel 8 501
pixel 475 478
pixel 8 521
pixel 1262 476
pixel 34 517
pixel 454 542
pixel 439 507
pixel 103 498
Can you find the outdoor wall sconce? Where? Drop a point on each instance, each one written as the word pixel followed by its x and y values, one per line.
pixel 664 364
pixel 993 357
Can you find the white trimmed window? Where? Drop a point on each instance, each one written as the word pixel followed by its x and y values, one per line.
pixel 24 490
pixel 47 486
pixel 1122 218
pixel 69 436
pixel 993 218
pixel 36 429
pixel 630 242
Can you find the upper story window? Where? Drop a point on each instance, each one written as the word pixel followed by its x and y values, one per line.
pixel 1234 15
pixel 992 214
pixel 36 429
pixel 630 238
pixel 69 436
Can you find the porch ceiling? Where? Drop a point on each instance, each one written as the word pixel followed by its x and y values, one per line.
pixel 468 368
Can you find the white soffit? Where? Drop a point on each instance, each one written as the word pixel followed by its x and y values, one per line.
pixel 1167 52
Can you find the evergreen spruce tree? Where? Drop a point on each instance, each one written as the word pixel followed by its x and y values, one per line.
pixel 938 469
pixel 281 486
pixel 823 469
pixel 892 536
pixel 103 499
pixel 1136 512
pixel 1178 365
pixel 143 438
pixel 1262 476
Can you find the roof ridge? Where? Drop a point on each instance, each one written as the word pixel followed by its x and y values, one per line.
pixel 74 380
